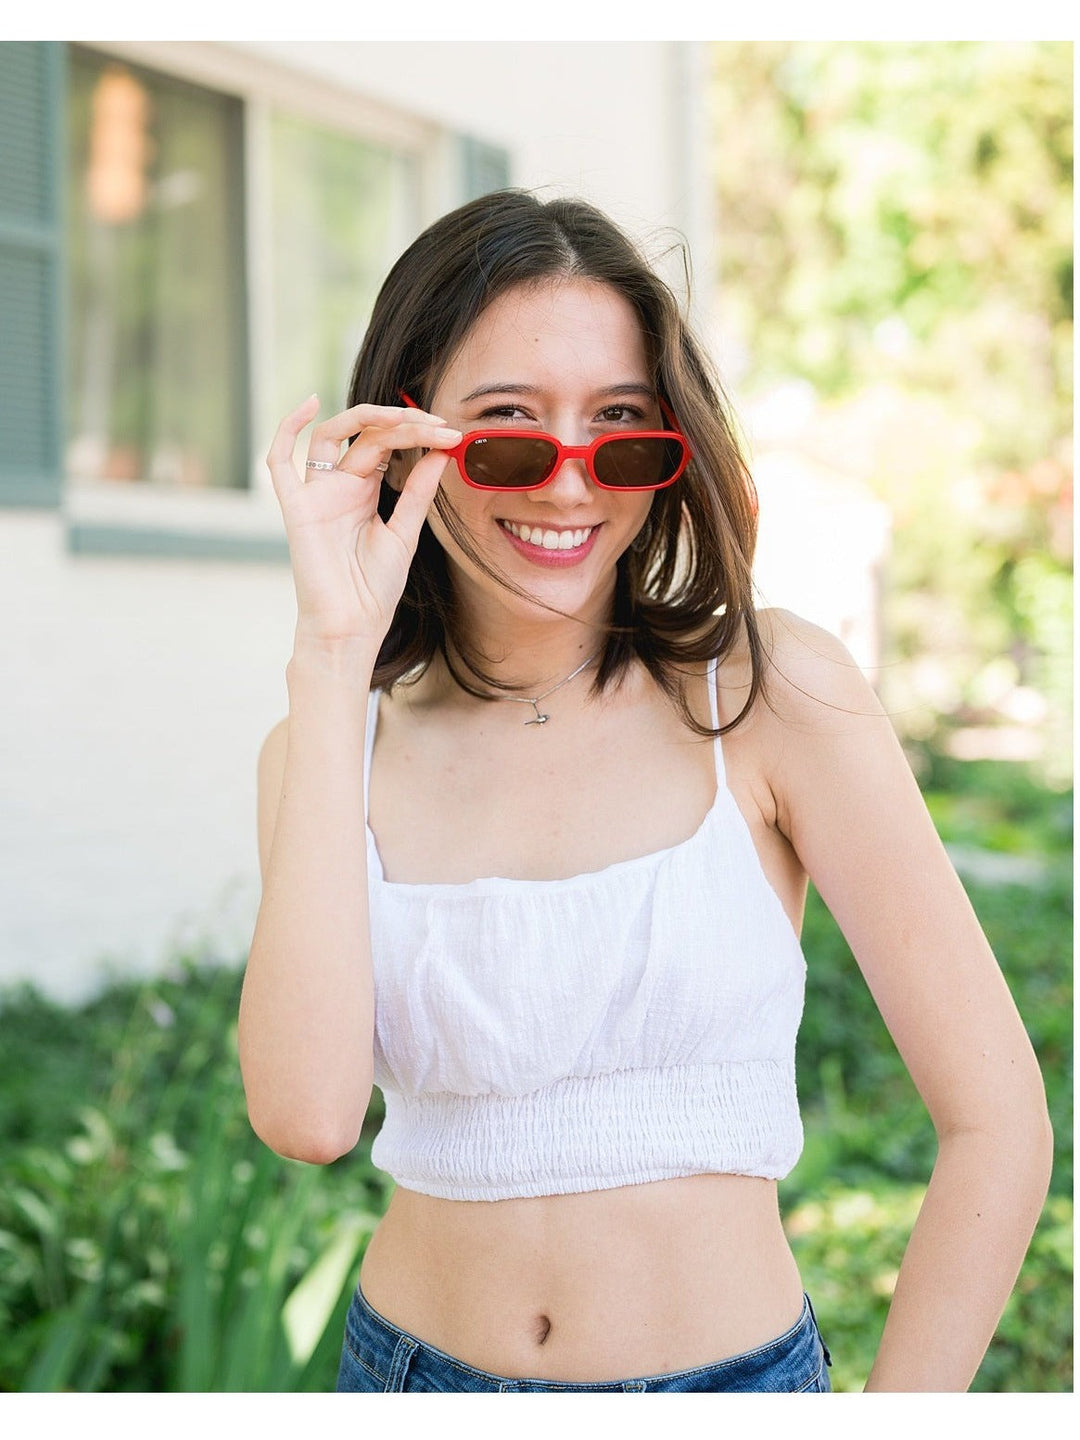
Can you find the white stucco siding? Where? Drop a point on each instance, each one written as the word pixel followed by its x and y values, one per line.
pixel 599 118
pixel 137 693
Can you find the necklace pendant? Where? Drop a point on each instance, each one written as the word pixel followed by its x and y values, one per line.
pixel 540 719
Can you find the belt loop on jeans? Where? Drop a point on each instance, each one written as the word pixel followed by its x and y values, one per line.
pixel 399 1365
pixel 817 1327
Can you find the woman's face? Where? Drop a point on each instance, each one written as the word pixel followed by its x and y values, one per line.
pixel 566 357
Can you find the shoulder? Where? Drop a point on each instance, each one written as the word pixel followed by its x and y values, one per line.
pixel 827 747
pixel 811 677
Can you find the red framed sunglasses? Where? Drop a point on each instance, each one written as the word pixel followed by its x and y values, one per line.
pixel 526 459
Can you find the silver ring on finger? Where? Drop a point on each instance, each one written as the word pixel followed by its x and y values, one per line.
pixel 321 465
pixel 383 465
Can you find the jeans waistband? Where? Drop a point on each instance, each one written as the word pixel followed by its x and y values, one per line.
pixel 390 1353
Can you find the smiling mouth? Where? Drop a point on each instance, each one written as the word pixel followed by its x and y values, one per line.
pixel 545 538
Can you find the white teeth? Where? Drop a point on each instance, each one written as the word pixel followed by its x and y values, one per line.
pixel 549 539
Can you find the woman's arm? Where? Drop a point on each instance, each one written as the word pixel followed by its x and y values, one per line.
pixel 849 805
pixel 307 1007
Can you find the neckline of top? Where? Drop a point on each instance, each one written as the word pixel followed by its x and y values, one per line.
pixel 497 882
pixel 502 882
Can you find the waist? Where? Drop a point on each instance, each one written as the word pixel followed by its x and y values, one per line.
pixel 636 1279
pixel 595 1132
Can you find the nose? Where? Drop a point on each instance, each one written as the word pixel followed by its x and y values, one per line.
pixel 568 487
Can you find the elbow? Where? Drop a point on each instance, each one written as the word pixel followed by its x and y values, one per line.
pixel 1017 1140
pixel 313 1143
pixel 316 1149
pixel 1043 1132
pixel 1033 1134
pixel 317 1134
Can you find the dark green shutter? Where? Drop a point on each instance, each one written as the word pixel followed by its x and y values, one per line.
pixel 484 167
pixel 31 161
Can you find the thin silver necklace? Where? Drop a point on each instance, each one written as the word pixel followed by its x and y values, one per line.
pixel 540 719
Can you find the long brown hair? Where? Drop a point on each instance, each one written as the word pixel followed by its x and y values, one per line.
pixel 683 591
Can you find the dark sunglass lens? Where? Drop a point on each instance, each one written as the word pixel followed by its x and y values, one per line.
pixel 509 462
pixel 633 463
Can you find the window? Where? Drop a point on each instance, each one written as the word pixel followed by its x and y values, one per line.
pixel 160 274
pixel 342 211
pixel 156 378
pixel 191 240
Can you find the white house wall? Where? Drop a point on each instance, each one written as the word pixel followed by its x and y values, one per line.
pixel 136 695
pixel 137 691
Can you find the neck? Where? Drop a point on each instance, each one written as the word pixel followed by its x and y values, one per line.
pixel 529 654
pixel 530 669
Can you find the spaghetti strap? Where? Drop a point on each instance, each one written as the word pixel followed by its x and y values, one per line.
pixel 369 743
pixel 714 715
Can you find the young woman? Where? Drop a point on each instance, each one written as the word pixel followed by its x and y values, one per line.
pixel 595 780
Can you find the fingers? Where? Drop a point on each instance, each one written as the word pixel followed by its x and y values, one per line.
pixel 376 443
pixel 279 458
pixel 375 432
pixel 339 427
pixel 379 431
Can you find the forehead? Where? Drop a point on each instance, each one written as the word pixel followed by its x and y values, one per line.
pixel 569 328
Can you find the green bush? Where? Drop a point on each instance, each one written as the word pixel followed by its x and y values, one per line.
pixel 148 1240
pixel 850 1202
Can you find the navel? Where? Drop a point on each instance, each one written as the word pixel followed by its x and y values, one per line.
pixel 542 1328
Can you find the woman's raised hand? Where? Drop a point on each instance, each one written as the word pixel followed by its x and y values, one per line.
pixel 349 566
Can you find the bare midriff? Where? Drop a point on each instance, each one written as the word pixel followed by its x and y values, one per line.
pixel 604 1285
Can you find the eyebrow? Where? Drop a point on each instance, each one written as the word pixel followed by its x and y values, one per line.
pixel 630 387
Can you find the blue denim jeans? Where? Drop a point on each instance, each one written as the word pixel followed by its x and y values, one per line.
pixel 378 1356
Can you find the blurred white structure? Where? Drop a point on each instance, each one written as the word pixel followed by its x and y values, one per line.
pixel 148 624
pixel 823 542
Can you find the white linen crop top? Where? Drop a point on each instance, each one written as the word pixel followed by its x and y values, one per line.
pixel 636 1023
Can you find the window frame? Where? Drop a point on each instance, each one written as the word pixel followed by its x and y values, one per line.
pixel 244 523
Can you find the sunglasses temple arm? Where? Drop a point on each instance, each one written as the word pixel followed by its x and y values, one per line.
pixel 669 416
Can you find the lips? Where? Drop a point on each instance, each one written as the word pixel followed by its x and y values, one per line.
pixel 549 538
pixel 547 545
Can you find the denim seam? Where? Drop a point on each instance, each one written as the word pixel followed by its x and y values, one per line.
pixel 362 1362
pixel 813 1378
pixel 404 1351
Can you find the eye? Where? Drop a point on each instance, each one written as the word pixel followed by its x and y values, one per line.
pixel 511 413
pixel 631 415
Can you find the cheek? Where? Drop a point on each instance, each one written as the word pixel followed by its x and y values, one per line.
pixel 642 512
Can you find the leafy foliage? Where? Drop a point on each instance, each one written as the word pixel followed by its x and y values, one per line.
pixel 896 239
pixel 149 1242
pixel 870 1147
